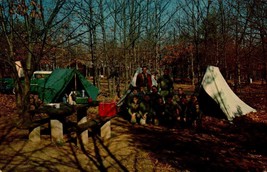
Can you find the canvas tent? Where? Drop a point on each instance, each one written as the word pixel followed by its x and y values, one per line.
pixel 215 96
pixel 62 81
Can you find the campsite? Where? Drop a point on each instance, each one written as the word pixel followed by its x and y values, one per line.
pixel 220 145
pixel 149 86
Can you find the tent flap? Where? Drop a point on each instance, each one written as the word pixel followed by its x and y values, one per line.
pixel 216 87
pixel 90 89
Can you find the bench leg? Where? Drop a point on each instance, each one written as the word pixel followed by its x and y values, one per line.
pixel 35 134
pixel 105 131
pixel 56 131
pixel 83 137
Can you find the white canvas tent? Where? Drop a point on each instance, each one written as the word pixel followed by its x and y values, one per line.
pixel 215 86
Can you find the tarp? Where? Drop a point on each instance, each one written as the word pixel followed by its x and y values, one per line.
pixel 214 85
pixel 62 81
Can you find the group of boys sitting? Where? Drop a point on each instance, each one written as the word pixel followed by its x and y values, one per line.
pixel 173 110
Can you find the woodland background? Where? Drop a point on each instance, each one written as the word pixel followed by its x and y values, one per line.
pixel 113 38
pixel 108 37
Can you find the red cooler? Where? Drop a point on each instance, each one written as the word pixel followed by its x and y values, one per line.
pixel 107 109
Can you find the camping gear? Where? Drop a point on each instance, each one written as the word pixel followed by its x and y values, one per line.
pixel 107 109
pixel 82 100
pixel 216 97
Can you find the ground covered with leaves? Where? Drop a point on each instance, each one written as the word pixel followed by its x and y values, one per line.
pixel 219 145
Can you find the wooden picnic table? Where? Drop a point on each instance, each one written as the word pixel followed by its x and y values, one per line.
pixel 57 114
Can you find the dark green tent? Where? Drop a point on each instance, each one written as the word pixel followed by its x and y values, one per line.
pixel 63 81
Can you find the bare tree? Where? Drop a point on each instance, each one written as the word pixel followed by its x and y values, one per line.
pixel 27 26
pixel 258 20
pixel 193 17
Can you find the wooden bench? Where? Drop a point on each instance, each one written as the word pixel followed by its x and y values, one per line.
pixel 57 120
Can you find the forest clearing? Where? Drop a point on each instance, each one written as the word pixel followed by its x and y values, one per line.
pixel 59 59
pixel 220 146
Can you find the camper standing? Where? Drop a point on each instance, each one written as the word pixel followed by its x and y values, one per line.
pixel 144 80
pixel 165 84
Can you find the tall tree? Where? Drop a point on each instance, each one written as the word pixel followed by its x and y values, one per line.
pixel 35 25
pixel 258 21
